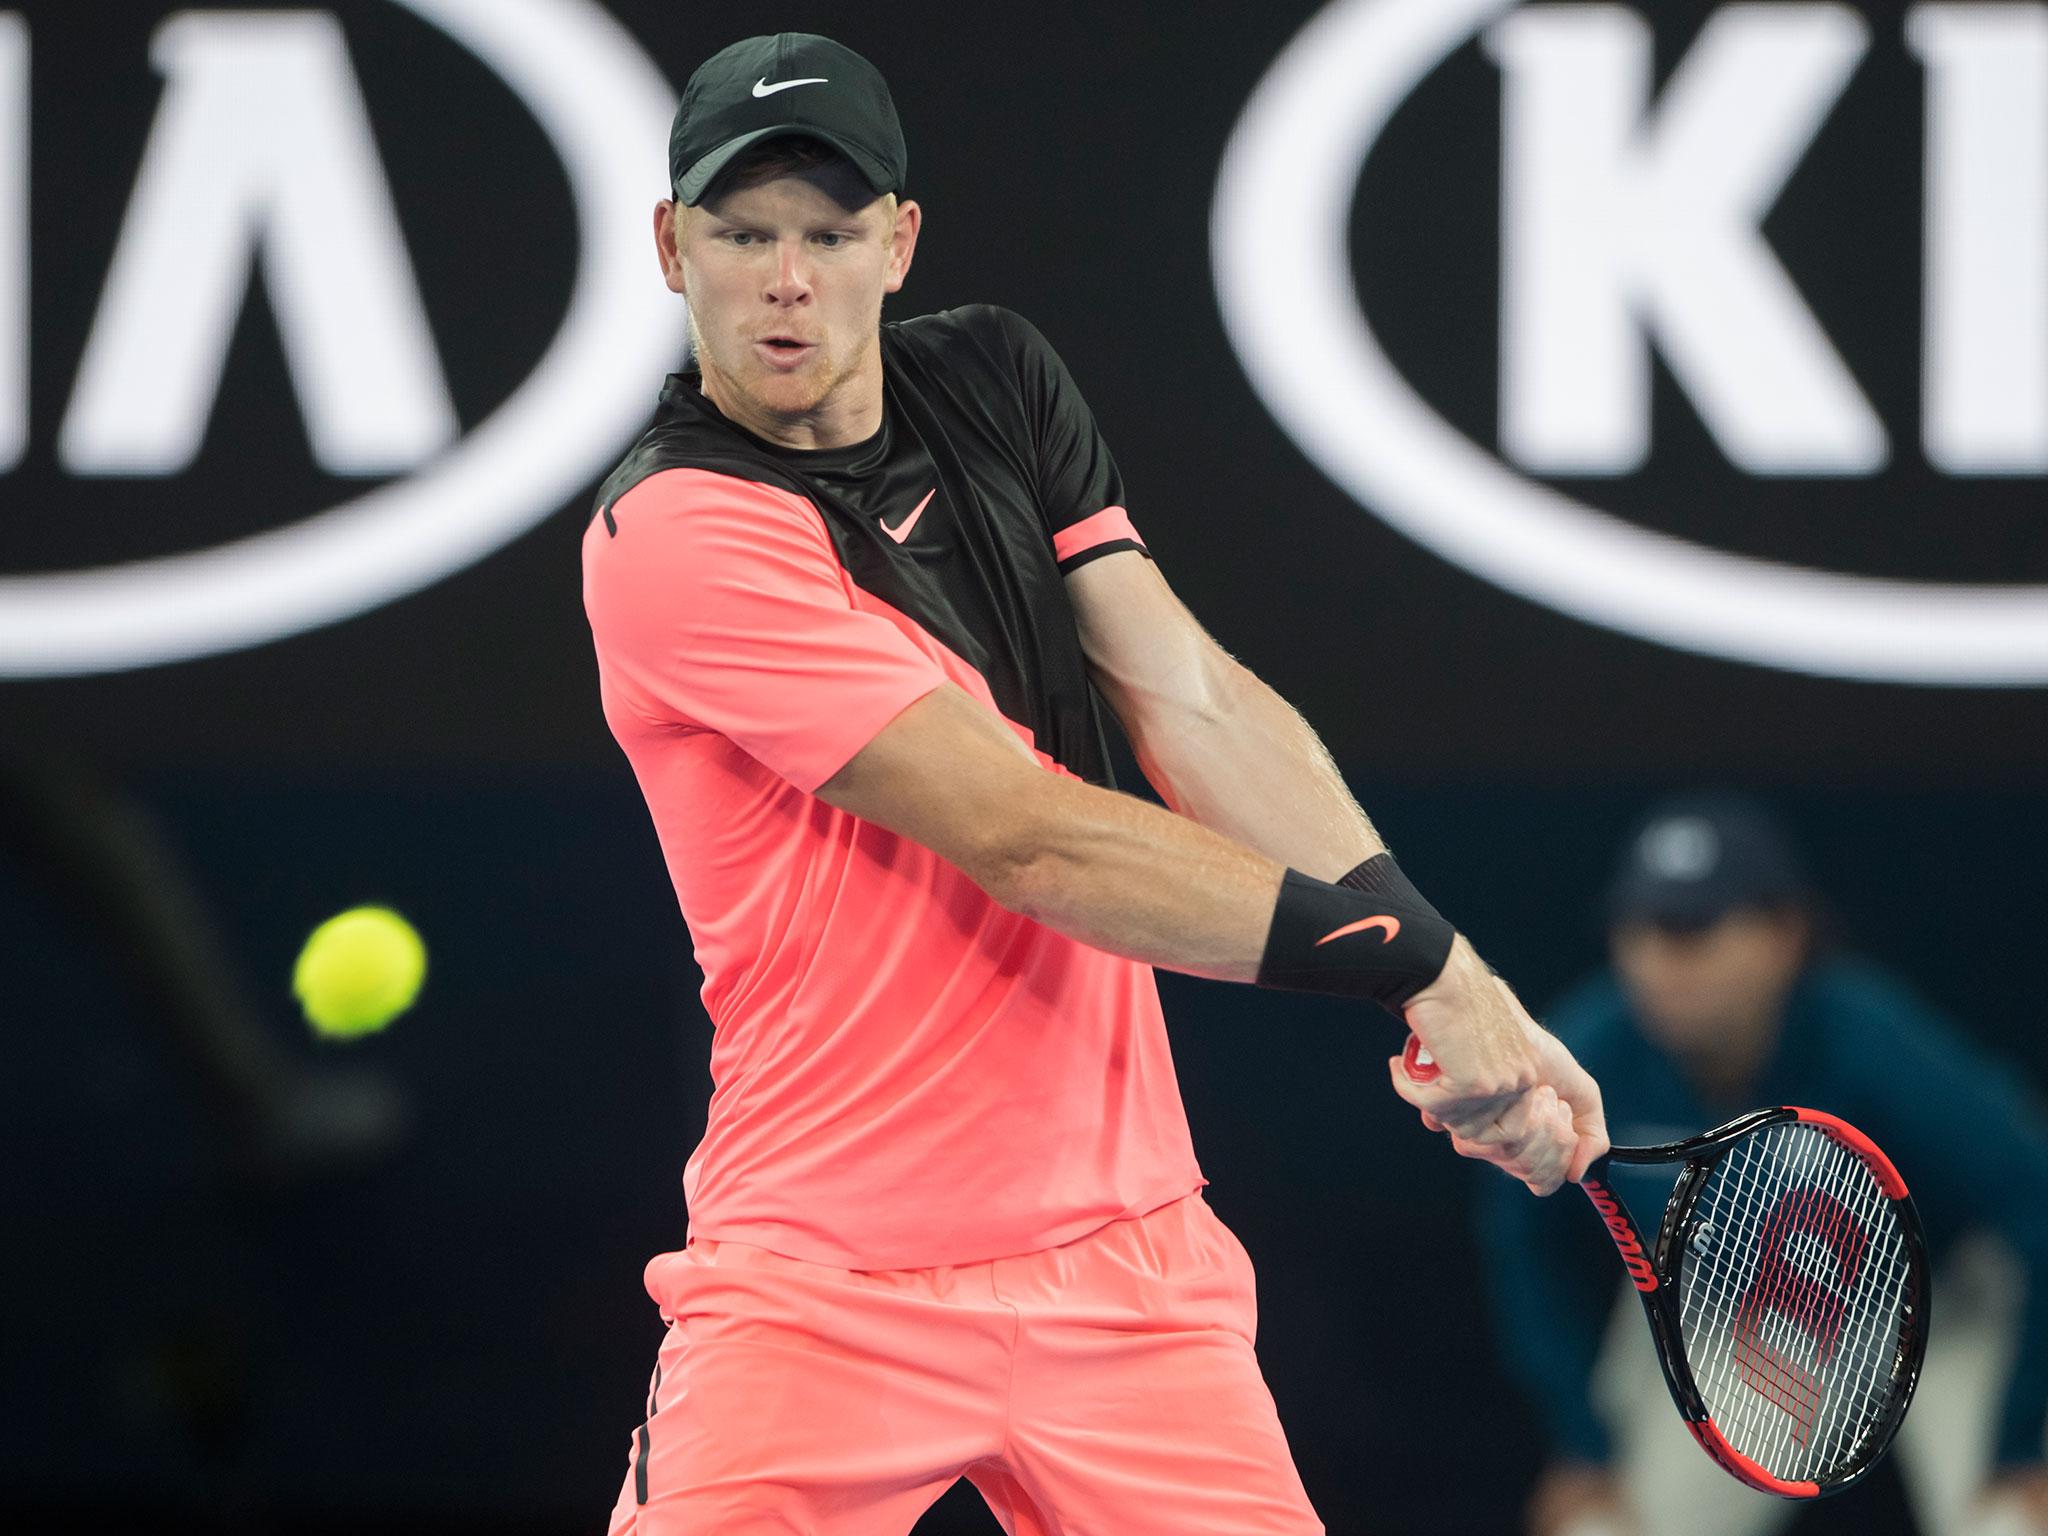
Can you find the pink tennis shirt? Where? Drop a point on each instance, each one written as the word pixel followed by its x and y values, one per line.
pixel 905 1074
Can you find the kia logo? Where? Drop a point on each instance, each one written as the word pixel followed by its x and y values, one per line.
pixel 1628 221
pixel 260 157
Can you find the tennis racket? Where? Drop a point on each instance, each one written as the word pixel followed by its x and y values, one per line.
pixel 1786 1292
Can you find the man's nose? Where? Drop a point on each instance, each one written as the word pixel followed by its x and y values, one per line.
pixel 791 283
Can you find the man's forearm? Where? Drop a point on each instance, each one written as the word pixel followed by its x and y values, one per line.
pixel 1121 874
pixel 1242 761
pixel 1106 868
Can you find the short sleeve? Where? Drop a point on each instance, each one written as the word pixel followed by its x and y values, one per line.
pixel 721 604
pixel 1078 485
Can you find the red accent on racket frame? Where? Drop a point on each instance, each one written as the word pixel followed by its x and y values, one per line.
pixel 1641 1273
pixel 1716 1445
pixel 1855 1141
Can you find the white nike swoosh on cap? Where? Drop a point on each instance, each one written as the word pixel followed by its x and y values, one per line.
pixel 763 88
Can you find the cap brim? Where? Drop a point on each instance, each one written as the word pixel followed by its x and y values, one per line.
pixel 1665 904
pixel 697 179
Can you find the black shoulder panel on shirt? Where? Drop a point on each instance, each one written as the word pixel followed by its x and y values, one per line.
pixel 683 440
pixel 941 514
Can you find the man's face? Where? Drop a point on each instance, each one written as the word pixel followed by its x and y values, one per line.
pixel 1711 992
pixel 785 282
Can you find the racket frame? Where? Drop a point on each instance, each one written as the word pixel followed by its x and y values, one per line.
pixel 1664 1258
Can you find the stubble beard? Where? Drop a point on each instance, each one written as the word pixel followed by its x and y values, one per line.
pixel 787 398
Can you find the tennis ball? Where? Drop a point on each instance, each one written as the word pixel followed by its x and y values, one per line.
pixel 359 971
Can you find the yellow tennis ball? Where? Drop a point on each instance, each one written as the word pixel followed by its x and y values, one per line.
pixel 359 971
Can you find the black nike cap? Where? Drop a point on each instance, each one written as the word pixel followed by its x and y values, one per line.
pixel 792 84
pixel 1694 860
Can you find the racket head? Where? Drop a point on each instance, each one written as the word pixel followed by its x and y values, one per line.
pixel 1793 1299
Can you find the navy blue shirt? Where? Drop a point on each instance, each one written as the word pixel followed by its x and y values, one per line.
pixel 1962 1128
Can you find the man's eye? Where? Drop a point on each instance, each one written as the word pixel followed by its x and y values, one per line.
pixel 739 237
pixel 831 239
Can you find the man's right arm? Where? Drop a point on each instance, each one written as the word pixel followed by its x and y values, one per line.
pixel 1131 878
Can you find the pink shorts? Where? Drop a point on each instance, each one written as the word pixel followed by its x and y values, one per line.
pixel 1106 1386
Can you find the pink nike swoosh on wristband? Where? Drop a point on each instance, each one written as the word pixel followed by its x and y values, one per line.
pixel 1389 926
pixel 902 530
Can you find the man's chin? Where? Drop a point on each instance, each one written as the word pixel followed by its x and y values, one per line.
pixel 776 394
pixel 788 394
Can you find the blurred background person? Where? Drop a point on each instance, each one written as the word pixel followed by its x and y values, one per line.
pixel 1725 993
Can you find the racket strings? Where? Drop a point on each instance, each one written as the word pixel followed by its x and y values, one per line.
pixel 1793 1293
pixel 1793 1334
pixel 1762 1322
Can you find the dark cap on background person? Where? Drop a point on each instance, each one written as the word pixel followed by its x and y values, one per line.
pixel 1694 860
pixel 788 85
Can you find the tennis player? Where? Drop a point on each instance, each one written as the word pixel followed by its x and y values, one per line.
pixel 854 597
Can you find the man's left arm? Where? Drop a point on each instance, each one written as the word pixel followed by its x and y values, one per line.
pixel 1220 746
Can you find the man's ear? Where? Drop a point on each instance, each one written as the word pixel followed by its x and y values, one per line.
pixel 902 244
pixel 667 218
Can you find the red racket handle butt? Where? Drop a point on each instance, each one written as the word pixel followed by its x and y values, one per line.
pixel 1418 1063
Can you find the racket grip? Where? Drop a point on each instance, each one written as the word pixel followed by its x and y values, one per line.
pixel 1420 1066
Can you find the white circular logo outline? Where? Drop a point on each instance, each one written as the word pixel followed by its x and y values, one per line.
pixel 1294 157
pixel 557 431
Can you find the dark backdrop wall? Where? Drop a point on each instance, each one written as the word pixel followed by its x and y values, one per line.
pixel 460 1334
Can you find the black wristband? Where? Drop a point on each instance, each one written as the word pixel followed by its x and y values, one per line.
pixel 1325 938
pixel 1381 876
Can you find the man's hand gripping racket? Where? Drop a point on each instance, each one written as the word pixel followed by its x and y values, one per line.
pixel 1504 1089
pixel 1786 1288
